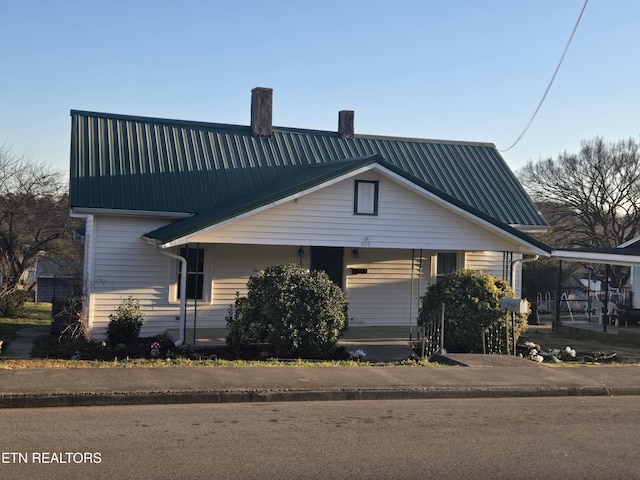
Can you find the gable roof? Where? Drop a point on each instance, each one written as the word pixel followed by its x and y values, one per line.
pixel 129 163
pixel 313 176
pixel 56 267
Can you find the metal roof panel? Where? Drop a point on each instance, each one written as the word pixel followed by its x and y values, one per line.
pixel 129 162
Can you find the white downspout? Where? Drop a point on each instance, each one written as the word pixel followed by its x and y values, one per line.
pixel 513 269
pixel 183 297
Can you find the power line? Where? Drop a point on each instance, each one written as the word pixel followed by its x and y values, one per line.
pixel 550 82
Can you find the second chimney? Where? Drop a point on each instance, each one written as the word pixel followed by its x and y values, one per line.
pixel 261 112
pixel 345 123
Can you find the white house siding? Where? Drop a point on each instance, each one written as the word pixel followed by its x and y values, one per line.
pixel 389 292
pixel 232 267
pixel 492 263
pixel 325 218
pixel 486 262
pixel 120 264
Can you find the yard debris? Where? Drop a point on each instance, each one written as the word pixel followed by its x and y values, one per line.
pixel 534 351
pixel 357 355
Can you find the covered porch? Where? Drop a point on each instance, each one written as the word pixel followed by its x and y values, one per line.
pixel 380 344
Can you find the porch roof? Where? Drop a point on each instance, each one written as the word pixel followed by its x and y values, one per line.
pixel 626 256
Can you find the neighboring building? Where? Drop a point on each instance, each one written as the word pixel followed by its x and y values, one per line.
pixel 56 279
pixel 384 216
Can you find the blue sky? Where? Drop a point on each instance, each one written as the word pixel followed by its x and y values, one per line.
pixel 469 70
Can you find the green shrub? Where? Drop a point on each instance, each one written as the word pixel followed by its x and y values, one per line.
pixel 244 328
pixel 125 323
pixel 297 312
pixel 472 303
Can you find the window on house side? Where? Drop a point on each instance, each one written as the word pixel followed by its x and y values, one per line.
pixel 366 198
pixel 195 273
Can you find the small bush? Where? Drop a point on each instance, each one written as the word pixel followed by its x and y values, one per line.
pixel 297 312
pixel 125 323
pixel 472 303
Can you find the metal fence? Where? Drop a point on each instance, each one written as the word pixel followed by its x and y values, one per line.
pixel 495 339
pixel 433 335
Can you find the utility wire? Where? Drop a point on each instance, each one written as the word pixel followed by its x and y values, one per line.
pixel 550 82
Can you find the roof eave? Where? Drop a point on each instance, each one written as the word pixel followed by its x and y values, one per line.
pixel 626 257
pixel 84 211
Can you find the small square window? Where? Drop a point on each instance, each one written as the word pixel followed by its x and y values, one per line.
pixel 365 200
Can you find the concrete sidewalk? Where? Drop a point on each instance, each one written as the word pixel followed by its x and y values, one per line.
pixel 516 377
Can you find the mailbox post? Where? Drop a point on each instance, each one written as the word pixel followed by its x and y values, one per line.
pixel 513 305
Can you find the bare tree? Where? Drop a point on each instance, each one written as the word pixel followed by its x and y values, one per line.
pixel 592 198
pixel 33 218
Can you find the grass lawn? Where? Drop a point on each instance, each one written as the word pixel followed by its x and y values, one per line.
pixel 34 314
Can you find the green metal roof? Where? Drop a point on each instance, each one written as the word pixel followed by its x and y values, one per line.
pixel 149 164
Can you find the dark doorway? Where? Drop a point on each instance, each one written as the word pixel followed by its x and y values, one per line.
pixel 329 259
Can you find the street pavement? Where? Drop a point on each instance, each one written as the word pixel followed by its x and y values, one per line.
pixel 475 376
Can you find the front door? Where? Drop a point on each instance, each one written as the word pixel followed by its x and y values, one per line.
pixel 331 260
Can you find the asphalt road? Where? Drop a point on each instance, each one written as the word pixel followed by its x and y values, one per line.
pixel 512 438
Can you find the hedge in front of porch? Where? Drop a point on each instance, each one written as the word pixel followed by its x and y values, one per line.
pixel 472 303
pixel 298 313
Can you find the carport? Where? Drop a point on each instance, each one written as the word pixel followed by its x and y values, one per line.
pixel 624 256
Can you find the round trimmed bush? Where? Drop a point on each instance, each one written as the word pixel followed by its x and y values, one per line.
pixel 472 303
pixel 299 313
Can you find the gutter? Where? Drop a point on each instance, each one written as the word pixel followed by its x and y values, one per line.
pixel 183 289
pixel 513 270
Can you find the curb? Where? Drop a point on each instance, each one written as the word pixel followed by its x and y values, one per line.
pixel 257 396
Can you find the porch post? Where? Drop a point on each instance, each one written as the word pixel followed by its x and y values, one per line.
pixel 605 316
pixel 413 253
pixel 558 295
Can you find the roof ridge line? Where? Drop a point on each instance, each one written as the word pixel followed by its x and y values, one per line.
pixel 230 126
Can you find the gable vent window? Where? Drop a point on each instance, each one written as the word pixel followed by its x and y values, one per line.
pixel 366 198
pixel 195 272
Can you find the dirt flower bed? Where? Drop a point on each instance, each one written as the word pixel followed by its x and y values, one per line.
pixel 149 348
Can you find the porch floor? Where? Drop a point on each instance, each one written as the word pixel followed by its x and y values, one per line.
pixel 380 344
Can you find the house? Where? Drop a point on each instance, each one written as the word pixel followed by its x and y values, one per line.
pixel 179 214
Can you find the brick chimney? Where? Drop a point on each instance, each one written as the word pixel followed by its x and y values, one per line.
pixel 345 123
pixel 261 112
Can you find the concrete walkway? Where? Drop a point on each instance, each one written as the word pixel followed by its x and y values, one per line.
pixel 21 346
